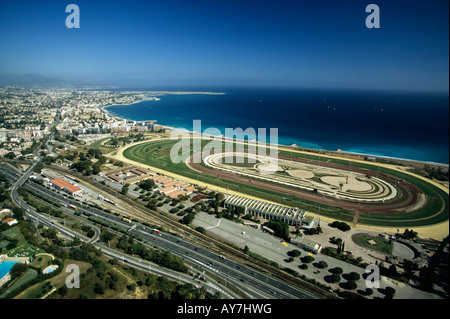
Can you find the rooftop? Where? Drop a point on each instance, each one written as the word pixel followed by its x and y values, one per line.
pixel 292 213
pixel 66 185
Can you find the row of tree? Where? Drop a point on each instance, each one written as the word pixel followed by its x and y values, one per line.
pixel 162 258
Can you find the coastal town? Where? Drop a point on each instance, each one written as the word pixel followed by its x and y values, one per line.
pixel 93 169
pixel 28 115
pixel 225 159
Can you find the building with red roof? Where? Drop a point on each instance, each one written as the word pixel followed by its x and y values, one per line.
pixel 66 186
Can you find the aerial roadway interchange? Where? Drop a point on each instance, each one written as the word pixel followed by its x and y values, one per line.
pixel 250 282
pixel 371 195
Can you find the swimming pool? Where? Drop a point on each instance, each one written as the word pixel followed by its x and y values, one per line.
pixel 50 269
pixel 5 267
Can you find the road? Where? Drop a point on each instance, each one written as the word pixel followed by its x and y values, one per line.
pixel 251 282
pixel 124 258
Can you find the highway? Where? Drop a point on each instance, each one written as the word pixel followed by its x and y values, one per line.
pixel 253 283
pixel 122 257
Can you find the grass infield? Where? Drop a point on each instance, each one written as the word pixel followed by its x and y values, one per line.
pixel 157 154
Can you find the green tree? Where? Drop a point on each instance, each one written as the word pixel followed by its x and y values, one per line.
pixel 280 228
pixel 350 285
pixel 389 291
pixel 240 211
pixel 96 168
pixel 18 270
pixel 63 290
pixel 337 270
pixel 18 213
pixel 188 219
pixel 200 230
pixel 125 189
pixel 99 289
pixel 409 234
pixel 219 197
pixel 335 278
pixel 295 253
pixel 307 259
pixel 147 184
pixel 341 225
pixel 106 236
pixel 354 276
pixel 49 233
pixel 10 155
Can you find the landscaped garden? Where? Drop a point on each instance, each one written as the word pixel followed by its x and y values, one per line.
pixel 374 242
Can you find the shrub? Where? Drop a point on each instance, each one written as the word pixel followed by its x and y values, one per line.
pixel 337 270
pixel 200 230
pixel 350 285
pixel 390 291
pixel 341 225
pixel 303 266
pixel 354 276
pixel 369 291
pixel 335 278
pixel 307 259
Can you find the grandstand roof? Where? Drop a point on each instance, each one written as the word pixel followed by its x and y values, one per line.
pixel 292 213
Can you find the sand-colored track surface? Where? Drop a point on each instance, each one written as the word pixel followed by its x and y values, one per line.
pixel 321 179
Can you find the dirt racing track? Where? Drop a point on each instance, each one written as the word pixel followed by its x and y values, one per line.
pixel 325 194
pixel 323 180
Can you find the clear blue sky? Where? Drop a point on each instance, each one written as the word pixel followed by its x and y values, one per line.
pixel 227 42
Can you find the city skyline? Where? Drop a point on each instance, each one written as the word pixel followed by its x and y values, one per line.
pixel 307 44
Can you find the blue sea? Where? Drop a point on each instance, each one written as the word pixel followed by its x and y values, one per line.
pixel 408 125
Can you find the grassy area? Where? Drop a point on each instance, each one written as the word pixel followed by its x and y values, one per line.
pixel 157 154
pixel 375 243
pixel 41 261
pixel 22 247
pixel 99 144
pixel 29 275
pixel 14 233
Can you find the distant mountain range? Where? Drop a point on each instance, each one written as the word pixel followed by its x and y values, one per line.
pixel 36 80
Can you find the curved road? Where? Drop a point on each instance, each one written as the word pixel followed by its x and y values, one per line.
pixel 253 283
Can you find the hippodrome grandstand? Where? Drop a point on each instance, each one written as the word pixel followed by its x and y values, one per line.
pixel 290 215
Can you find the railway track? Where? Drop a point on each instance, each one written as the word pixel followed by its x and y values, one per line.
pixel 146 215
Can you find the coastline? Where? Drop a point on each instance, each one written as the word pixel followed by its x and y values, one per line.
pixel 153 98
pixel 286 146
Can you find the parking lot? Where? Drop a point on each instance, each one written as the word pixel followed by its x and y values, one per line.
pixel 275 249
